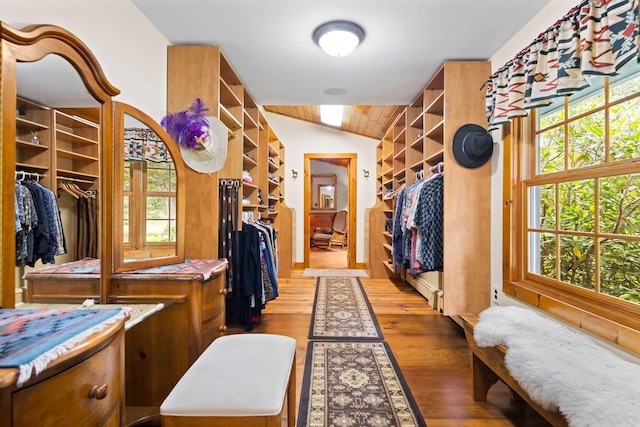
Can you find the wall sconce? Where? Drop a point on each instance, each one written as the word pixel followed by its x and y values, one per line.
pixel 294 174
pixel 366 173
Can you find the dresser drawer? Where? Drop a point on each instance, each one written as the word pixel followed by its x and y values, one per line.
pixel 213 296
pixel 64 399
pixel 213 327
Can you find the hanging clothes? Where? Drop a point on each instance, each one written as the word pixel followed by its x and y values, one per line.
pixel 87 226
pixel 39 232
pixel 429 223
pixel 418 226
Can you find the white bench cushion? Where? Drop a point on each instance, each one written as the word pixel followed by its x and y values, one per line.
pixel 237 375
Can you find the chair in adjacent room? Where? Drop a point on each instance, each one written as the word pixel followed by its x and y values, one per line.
pixel 337 235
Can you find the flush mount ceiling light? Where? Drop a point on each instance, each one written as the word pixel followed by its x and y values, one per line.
pixel 338 38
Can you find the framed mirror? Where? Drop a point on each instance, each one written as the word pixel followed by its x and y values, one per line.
pixel 31 57
pixel 149 203
pixel 324 194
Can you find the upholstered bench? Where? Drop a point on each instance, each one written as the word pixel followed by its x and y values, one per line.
pixel 239 380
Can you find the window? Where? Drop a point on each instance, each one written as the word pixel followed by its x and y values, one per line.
pixel 151 188
pixel 579 193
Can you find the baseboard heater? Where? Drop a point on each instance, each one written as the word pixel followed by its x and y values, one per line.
pixel 429 285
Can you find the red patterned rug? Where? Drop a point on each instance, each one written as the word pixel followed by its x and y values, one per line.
pixel 341 310
pixel 355 384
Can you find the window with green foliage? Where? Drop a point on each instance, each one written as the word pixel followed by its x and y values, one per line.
pixel 583 194
pixel 149 204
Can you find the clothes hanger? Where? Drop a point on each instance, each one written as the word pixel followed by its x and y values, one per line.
pixel 63 187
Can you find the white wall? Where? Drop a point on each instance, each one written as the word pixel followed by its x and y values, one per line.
pixel 547 17
pixel 301 137
pixel 131 51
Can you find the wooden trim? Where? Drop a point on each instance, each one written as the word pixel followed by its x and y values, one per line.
pixel 352 168
pixel 606 317
pixel 623 330
pixel 120 110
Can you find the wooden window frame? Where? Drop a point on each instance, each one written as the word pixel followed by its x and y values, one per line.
pixel 608 317
pixel 137 216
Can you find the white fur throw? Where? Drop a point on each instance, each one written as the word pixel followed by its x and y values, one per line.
pixel 563 368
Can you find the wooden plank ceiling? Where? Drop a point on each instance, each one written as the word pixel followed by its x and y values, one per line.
pixel 366 120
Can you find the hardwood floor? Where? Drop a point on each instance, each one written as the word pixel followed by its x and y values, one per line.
pixel 430 349
pixel 333 257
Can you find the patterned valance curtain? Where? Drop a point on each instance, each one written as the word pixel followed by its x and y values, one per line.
pixel 141 144
pixel 595 38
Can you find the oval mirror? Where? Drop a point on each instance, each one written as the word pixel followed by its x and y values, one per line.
pixel 149 192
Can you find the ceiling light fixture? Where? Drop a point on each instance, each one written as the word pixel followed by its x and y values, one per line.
pixel 338 38
pixel 331 114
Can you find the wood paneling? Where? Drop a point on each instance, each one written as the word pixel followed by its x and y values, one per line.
pixel 365 120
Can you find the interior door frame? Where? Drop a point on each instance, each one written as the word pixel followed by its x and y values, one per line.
pixel 352 185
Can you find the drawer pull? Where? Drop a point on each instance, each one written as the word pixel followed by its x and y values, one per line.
pixel 223 291
pixel 222 328
pixel 98 392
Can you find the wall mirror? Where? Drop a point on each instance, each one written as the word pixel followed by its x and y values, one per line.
pixel 149 192
pixel 323 188
pixel 48 67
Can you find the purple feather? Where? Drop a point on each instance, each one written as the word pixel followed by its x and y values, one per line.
pixel 186 126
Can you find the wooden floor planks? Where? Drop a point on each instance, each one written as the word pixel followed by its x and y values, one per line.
pixel 430 349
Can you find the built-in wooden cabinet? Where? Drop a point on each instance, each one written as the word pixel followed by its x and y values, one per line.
pixel 161 349
pixel 77 148
pixel 413 147
pixel 52 145
pixel 33 140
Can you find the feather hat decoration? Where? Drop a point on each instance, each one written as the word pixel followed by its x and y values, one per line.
pixel 202 139
pixel 186 127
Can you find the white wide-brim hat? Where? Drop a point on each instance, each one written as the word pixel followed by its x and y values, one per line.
pixel 212 157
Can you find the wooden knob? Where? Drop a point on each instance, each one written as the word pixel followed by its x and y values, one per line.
pixel 98 392
pixel 222 328
pixel 223 291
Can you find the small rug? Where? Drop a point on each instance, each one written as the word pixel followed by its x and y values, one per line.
pixel 31 339
pixel 342 272
pixel 341 310
pixel 355 384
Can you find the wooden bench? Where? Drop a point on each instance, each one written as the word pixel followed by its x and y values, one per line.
pixel 487 367
pixel 238 381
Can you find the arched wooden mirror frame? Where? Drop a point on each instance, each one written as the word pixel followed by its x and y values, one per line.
pixel 121 264
pixel 31 44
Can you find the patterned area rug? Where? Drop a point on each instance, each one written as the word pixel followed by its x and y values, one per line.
pixel 355 384
pixel 341 310
pixel 342 272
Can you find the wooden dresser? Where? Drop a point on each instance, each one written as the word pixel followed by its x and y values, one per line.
pixel 163 347
pixel 82 388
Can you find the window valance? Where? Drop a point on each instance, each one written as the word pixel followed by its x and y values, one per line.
pixel 597 37
pixel 142 144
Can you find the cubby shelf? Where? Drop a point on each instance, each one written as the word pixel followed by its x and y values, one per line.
pixel 417 141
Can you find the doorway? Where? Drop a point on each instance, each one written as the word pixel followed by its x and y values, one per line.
pixel 334 257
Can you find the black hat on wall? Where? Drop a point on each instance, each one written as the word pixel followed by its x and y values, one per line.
pixel 472 146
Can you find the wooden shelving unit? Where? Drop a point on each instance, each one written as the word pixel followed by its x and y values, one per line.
pixel 419 139
pixel 33 140
pixel 56 146
pixel 77 148
pixel 253 150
